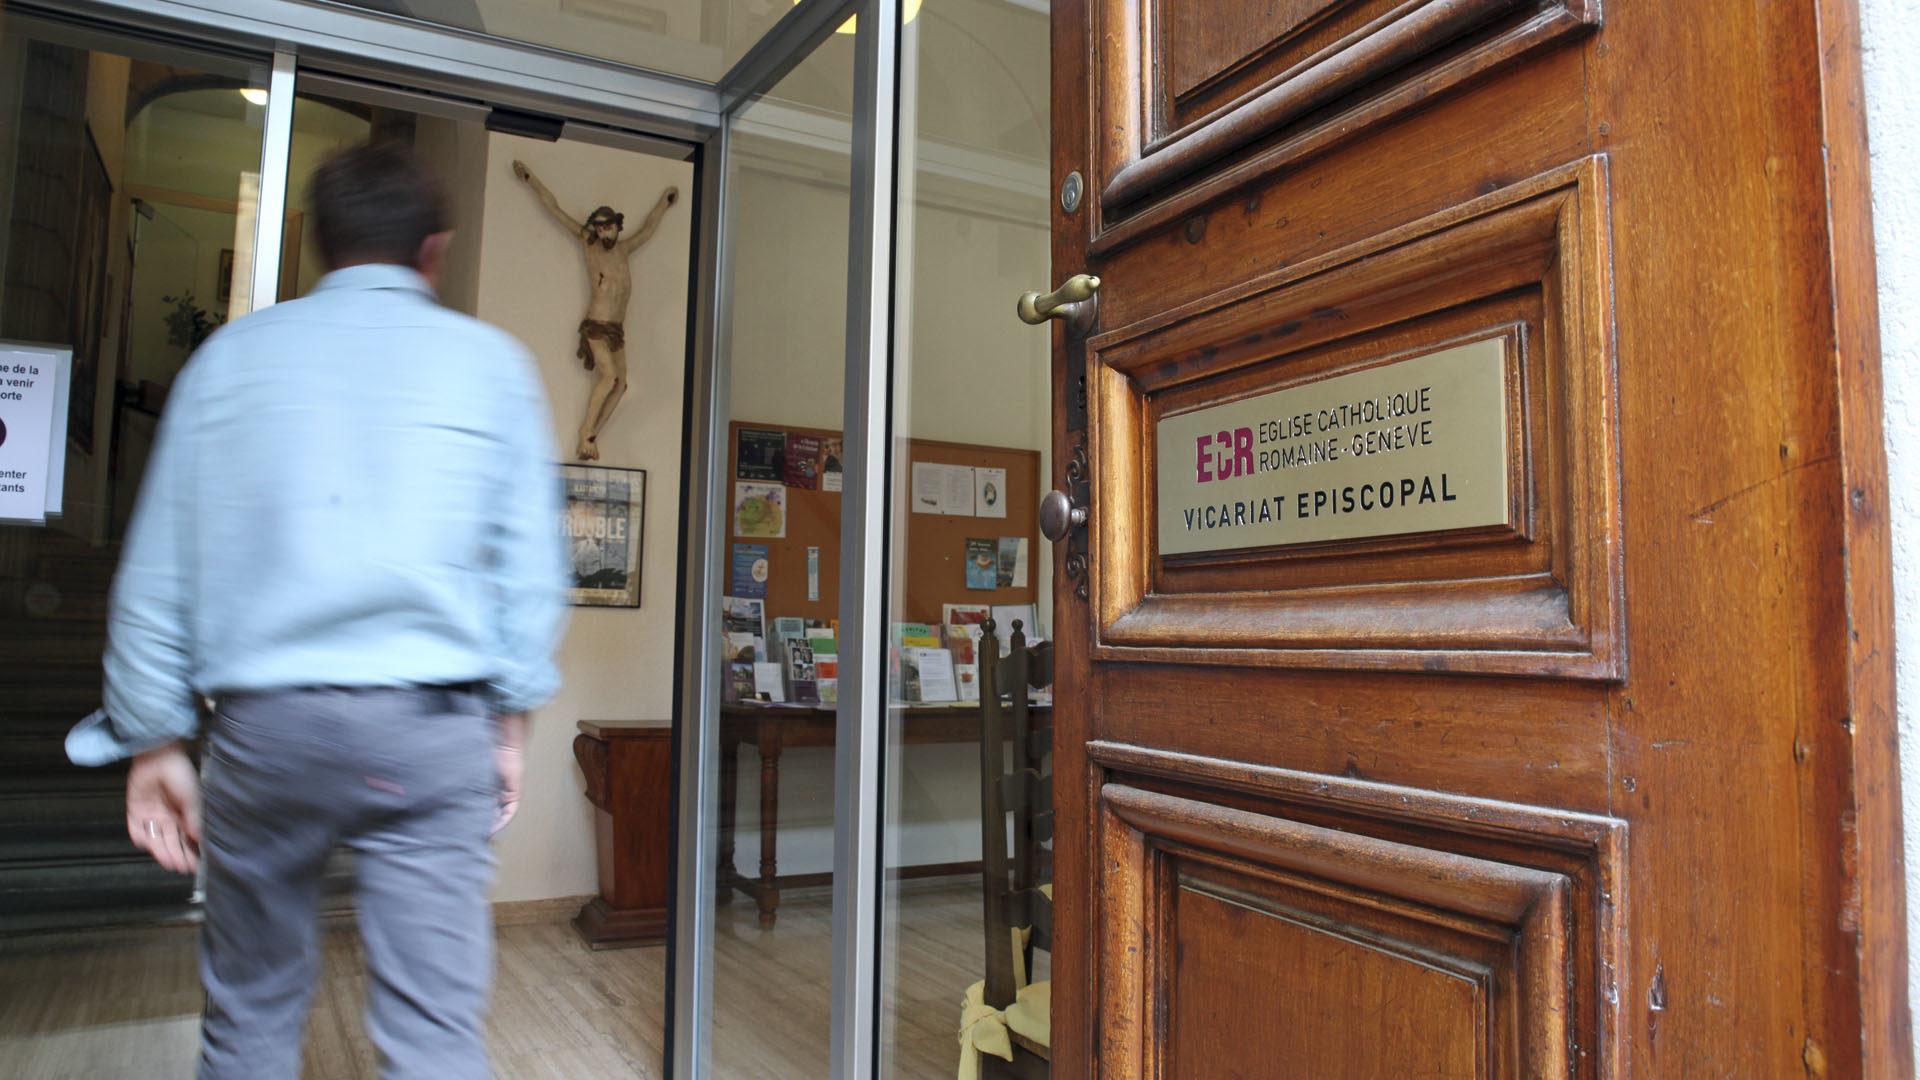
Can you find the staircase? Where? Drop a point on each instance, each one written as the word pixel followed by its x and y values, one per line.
pixel 65 858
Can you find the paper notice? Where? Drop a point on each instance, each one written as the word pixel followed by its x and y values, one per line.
pixel 29 392
pixel 990 493
pixel 942 489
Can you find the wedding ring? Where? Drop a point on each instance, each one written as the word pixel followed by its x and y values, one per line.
pixel 152 832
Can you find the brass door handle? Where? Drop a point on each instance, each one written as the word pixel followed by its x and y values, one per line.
pixel 1075 301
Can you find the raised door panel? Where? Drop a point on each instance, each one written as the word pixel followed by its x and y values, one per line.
pixel 1380 1008
pixel 1191 91
pixel 1268 922
pixel 1328 477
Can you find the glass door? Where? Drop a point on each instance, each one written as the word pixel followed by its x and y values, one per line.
pixel 966 877
pixel 780 507
pixel 879 440
pixel 130 183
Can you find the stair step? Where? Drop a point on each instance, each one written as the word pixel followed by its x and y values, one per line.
pixel 32 698
pixel 70 605
pixel 28 759
pixel 51 672
pixel 81 884
pixel 35 812
pixel 43 842
pixel 24 626
pixel 32 652
pixel 85 563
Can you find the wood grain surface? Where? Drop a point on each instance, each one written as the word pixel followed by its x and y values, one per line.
pixel 1683 644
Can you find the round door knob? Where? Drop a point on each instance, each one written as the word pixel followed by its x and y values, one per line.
pixel 1058 516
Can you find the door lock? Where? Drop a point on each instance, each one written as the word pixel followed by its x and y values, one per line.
pixel 1058 516
pixel 1076 301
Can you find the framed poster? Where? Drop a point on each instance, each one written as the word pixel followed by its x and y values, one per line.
pixel 605 517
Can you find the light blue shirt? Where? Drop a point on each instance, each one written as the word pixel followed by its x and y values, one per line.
pixel 356 488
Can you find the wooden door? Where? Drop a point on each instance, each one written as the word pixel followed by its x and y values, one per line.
pixel 1553 737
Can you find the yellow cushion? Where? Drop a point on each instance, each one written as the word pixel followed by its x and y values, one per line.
pixel 983 1029
pixel 1031 1013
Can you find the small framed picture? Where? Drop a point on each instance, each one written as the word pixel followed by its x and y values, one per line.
pixel 605 519
pixel 223 282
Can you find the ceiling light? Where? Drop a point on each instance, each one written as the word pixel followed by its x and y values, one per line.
pixel 254 96
pixel 911 7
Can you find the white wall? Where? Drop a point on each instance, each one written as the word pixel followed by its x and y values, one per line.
pixel 617 663
pixel 1892 53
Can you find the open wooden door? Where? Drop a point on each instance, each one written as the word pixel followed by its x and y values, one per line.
pixel 1476 661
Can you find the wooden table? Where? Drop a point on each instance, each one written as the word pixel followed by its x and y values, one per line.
pixel 629 769
pixel 773 728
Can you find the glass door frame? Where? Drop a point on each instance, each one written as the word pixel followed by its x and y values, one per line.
pixel 632 104
pixel 858 749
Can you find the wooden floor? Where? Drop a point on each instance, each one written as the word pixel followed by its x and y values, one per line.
pixel 125 1004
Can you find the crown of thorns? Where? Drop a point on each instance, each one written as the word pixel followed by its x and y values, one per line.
pixel 605 215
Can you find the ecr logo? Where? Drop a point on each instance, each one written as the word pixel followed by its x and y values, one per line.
pixel 1233 456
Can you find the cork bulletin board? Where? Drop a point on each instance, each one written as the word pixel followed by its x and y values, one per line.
pixel 936 544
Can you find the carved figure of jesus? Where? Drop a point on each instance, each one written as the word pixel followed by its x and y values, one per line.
pixel 603 336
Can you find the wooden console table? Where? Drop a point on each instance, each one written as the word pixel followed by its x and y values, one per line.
pixel 629 770
pixel 773 728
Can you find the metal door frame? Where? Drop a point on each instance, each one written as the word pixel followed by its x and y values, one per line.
pixel 470 71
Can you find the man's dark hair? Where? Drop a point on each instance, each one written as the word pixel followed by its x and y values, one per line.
pixel 375 202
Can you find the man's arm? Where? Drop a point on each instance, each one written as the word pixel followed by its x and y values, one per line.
pixel 528 570
pixel 645 231
pixel 148 695
pixel 546 199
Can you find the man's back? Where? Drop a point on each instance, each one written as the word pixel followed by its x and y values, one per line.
pixel 352 489
pixel 348 540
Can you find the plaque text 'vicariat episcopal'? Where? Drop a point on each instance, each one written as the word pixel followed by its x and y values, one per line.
pixel 1416 445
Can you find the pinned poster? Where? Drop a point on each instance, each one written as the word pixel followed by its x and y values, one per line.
pixel 749 571
pixel 803 462
pixel 33 431
pixel 759 510
pixel 761 454
pixel 832 473
pixel 983 564
pixel 989 493
pixel 1008 561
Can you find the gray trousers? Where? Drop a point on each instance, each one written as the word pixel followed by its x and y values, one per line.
pixel 405 778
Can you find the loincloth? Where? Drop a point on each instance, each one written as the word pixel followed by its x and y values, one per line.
pixel 614 334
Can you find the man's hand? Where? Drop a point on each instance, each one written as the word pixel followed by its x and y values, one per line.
pixel 520 170
pixel 510 735
pixel 163 807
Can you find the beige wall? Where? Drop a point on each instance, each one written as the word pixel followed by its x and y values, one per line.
pixel 617 663
pixel 458 152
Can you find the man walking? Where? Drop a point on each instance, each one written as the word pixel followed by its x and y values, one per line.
pixel 347 542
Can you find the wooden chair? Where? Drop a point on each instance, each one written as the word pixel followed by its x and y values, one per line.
pixel 1017 890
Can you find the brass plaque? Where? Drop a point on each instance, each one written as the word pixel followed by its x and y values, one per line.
pixel 1416 445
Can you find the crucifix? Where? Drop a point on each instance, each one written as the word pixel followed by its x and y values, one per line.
pixel 603 337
